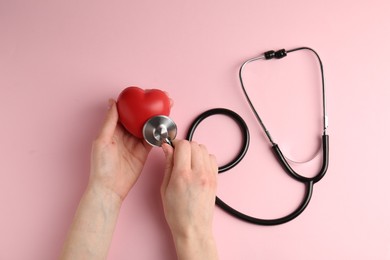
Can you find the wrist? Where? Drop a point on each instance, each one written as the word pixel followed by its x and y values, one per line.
pixel 106 196
pixel 193 233
pixel 195 245
pixel 93 225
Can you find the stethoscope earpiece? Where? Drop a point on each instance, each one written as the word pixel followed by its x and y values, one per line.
pixel 158 130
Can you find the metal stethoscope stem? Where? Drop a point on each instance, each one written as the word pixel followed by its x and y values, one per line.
pixel 282 53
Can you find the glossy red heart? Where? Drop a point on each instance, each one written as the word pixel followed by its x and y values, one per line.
pixel 136 106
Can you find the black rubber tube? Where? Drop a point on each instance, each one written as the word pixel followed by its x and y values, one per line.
pixel 270 222
pixel 237 159
pixel 290 171
pixel 241 123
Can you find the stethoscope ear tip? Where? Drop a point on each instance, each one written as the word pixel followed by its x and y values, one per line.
pixel 158 130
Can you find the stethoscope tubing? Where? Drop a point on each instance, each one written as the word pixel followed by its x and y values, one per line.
pixel 240 155
pixel 293 174
pixel 270 222
pixel 241 123
pixel 307 181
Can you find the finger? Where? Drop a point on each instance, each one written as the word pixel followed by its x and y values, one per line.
pixel 205 152
pixel 168 151
pixel 207 158
pixel 182 156
pixel 110 122
pixel 213 163
pixel 197 156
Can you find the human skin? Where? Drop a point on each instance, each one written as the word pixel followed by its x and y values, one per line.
pixel 188 194
pixel 117 160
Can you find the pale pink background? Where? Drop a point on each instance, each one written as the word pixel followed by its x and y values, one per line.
pixel 61 60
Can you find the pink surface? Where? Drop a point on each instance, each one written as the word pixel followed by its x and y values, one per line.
pixel 61 60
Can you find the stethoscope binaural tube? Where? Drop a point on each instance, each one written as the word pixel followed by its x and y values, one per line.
pixel 325 138
pixel 290 171
pixel 279 55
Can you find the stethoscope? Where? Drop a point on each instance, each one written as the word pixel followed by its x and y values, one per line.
pixel 160 129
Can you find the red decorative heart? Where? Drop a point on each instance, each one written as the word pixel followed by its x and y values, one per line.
pixel 136 106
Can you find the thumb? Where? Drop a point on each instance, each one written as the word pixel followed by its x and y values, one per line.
pixel 168 151
pixel 110 122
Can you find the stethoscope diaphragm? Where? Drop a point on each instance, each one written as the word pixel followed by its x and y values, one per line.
pixel 158 130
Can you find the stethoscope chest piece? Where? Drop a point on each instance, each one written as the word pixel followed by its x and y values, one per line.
pixel 158 130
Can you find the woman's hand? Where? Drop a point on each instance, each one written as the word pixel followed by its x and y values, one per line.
pixel 116 163
pixel 188 193
pixel 117 157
